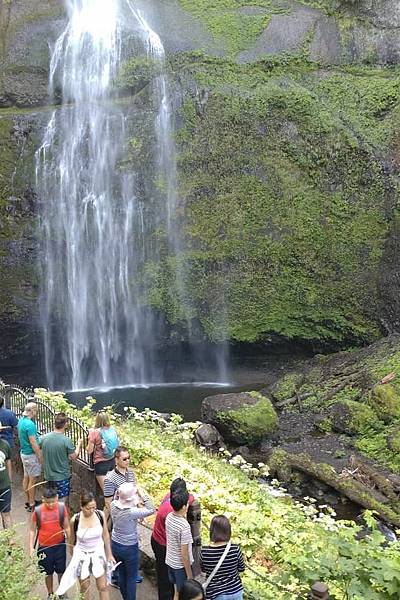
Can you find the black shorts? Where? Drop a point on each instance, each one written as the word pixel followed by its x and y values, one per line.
pixel 5 500
pixel 53 559
pixel 102 467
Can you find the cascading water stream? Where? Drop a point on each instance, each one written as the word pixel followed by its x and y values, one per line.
pixel 96 224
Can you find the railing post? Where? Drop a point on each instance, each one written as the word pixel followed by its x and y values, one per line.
pixel 319 591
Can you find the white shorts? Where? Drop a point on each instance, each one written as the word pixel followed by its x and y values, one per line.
pixel 31 465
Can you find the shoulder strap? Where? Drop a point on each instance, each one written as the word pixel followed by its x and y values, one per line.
pixel 37 514
pixel 217 566
pixel 100 517
pixel 38 517
pixel 76 522
pixel 61 514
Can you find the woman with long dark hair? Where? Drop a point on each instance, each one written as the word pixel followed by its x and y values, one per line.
pixel 222 562
pixel 191 590
pixel 91 550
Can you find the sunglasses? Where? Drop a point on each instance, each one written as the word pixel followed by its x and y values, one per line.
pixel 125 459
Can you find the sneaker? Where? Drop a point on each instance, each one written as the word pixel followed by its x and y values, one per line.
pixel 31 508
pixel 139 578
pixel 114 584
pixel 26 505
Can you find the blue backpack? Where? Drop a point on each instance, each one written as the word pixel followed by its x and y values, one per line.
pixel 109 441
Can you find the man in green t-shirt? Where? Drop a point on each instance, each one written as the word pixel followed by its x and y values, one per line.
pixel 58 452
pixel 5 483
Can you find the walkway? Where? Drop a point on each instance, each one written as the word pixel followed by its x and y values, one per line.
pixel 145 590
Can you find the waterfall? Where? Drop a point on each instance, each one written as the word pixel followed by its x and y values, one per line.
pixel 96 223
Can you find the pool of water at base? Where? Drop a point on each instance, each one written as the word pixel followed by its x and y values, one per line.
pixel 182 398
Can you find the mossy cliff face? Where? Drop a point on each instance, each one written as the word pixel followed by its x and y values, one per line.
pixel 288 191
pixel 18 260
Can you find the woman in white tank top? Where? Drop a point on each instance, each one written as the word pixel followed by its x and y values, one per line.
pixel 91 550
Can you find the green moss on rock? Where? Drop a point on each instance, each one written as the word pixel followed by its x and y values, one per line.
pixel 353 418
pixel 250 424
pixel 385 401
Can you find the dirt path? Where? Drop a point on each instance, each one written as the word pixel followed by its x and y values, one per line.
pixel 145 590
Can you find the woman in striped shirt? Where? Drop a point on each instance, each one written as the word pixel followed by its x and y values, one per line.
pixel 132 504
pixel 226 583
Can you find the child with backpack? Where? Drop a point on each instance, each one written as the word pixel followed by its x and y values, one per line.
pixel 103 441
pixel 91 550
pixel 48 529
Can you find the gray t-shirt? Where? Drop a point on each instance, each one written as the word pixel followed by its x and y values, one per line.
pixel 56 448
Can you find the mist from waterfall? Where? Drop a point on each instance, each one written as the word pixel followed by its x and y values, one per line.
pixel 96 225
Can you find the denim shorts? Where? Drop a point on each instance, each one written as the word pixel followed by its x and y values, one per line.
pixel 235 596
pixel 177 576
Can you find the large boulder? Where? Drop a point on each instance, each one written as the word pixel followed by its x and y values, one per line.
pixel 352 418
pixel 208 436
pixel 242 418
pixel 385 400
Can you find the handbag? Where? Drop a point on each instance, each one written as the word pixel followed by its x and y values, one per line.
pixel 217 566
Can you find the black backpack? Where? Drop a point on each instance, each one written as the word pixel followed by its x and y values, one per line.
pixel 77 517
pixel 61 518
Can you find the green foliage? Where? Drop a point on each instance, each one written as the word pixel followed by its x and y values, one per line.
pixel 385 400
pixel 18 573
pixel 235 30
pixel 249 424
pixel 362 419
pixel 291 549
pixel 287 385
pixel 272 224
pixel 137 72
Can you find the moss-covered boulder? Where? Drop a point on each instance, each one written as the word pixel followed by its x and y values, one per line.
pixel 244 418
pixel 352 418
pixel 393 440
pixel 385 400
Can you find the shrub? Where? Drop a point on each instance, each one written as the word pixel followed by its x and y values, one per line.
pixel 18 573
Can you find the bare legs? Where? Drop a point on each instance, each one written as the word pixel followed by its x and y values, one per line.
pixel 101 584
pixel 49 582
pixel 6 520
pixel 100 481
pixel 28 485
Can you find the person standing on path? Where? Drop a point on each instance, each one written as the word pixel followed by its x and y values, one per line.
pixel 31 455
pixel 159 540
pixel 179 557
pixel 125 512
pixel 5 483
pixel 225 584
pixel 8 422
pixel 58 452
pixel 103 441
pixel 91 550
pixel 121 473
pixel 50 525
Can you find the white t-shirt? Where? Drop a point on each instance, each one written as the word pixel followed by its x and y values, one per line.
pixel 178 534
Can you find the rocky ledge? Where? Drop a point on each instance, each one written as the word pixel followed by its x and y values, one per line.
pixel 338 426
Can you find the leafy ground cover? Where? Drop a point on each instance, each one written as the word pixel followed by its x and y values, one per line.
pixel 289 546
pixel 18 573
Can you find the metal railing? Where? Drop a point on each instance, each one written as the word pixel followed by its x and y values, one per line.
pixel 16 398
